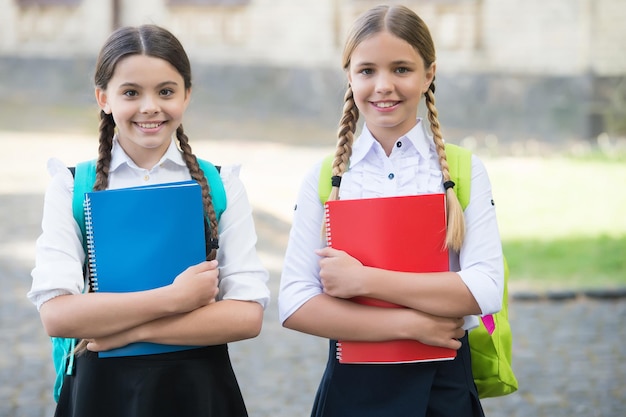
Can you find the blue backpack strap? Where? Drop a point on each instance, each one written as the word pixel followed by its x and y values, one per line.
pixel 63 362
pixel 62 348
pixel 84 179
pixel 218 193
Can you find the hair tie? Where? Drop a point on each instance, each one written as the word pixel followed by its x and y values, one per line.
pixel 213 243
pixel 335 180
pixel 448 184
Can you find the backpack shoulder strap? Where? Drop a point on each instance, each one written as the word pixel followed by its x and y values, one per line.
pixel 218 193
pixel 324 187
pixel 84 178
pixel 460 167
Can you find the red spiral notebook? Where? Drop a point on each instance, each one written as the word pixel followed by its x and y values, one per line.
pixel 395 233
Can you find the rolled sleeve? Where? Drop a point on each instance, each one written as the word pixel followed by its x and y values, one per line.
pixel 300 277
pixel 481 264
pixel 242 275
pixel 59 253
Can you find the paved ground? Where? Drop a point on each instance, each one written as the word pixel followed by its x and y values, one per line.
pixel 569 355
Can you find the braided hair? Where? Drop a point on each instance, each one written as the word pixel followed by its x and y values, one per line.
pixel 154 41
pixel 406 25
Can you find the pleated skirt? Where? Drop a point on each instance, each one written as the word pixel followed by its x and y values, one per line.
pixel 190 383
pixel 428 389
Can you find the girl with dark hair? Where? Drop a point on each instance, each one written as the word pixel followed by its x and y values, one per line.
pixel 143 86
pixel 389 60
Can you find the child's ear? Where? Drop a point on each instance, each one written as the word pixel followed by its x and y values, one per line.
pixel 101 98
pixel 430 77
pixel 187 97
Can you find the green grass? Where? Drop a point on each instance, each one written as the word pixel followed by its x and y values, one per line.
pixel 567 263
pixel 562 220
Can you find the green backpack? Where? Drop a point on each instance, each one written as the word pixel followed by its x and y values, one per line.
pixel 491 342
pixel 84 178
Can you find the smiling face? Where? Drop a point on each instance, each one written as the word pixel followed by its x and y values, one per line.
pixel 388 78
pixel 147 98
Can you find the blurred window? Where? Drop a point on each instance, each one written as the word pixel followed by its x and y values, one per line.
pixel 26 3
pixel 207 2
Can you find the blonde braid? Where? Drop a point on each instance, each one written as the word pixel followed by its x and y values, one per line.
pixel 198 175
pixel 345 135
pixel 456 220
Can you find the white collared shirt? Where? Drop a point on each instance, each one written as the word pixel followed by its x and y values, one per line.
pixel 412 168
pixel 59 251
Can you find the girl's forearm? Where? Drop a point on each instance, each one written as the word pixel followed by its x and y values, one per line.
pixel 441 293
pixel 93 315
pixel 216 323
pixel 340 319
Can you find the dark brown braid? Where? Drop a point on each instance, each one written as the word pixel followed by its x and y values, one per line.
pixel 107 131
pixel 198 175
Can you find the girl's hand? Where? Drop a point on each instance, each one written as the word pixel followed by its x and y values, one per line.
pixel 105 343
pixel 340 273
pixel 197 286
pixel 436 330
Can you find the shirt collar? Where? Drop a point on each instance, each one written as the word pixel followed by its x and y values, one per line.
pixel 366 142
pixel 120 157
pixel 421 139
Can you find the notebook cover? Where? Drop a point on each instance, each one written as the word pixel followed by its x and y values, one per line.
pixel 141 238
pixel 395 233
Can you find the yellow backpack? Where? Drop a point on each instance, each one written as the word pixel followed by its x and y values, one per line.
pixel 491 343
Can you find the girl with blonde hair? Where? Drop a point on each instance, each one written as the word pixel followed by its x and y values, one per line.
pixel 389 61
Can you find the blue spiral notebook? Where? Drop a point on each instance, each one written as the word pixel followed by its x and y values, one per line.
pixel 141 238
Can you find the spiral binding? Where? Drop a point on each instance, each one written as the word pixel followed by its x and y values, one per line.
pixel 338 350
pixel 329 243
pixel 91 252
pixel 327 221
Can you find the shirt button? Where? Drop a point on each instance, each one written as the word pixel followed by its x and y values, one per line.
pixel 391 176
pixel 399 144
pixel 146 177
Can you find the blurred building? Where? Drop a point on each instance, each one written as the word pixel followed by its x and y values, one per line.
pixel 550 69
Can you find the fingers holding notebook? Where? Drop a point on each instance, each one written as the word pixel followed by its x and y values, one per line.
pixel 196 286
